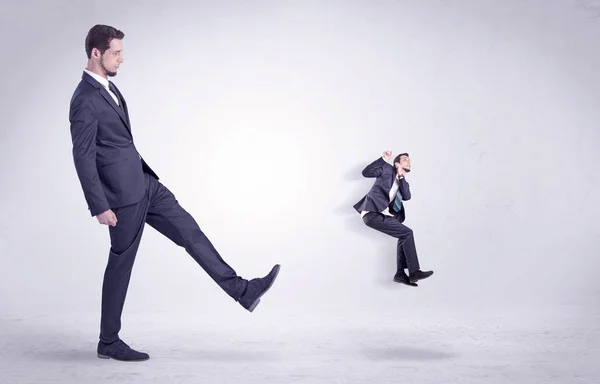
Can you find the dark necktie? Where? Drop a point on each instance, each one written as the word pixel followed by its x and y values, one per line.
pixel 113 89
pixel 398 200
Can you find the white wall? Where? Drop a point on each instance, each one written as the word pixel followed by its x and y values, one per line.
pixel 285 103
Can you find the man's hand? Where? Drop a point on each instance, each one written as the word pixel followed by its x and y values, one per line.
pixel 387 155
pixel 107 218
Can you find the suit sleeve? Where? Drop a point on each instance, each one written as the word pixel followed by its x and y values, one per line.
pixel 84 126
pixel 404 189
pixel 375 169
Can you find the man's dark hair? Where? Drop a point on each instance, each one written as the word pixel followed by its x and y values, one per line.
pixel 99 37
pixel 397 159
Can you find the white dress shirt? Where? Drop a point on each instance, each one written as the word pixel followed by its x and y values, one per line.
pixel 104 82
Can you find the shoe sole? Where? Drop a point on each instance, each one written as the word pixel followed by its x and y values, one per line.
pixel 423 278
pixel 101 356
pixel 257 301
pixel 411 284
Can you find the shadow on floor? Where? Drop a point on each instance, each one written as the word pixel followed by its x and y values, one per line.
pixel 62 356
pixel 404 353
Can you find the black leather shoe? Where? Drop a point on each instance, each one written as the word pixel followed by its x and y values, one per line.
pixel 258 287
pixel 400 277
pixel 419 275
pixel 120 351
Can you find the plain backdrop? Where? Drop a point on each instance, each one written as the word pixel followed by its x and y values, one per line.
pixel 260 115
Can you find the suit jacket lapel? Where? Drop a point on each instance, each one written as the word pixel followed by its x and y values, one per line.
pixel 109 99
pixel 391 180
pixel 124 108
pixel 118 109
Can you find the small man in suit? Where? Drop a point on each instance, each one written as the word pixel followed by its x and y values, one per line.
pixel 382 209
pixel 123 192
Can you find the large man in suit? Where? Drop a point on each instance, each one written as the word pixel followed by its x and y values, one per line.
pixel 382 209
pixel 123 192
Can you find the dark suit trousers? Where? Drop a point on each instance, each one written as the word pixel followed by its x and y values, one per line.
pixel 406 252
pixel 160 210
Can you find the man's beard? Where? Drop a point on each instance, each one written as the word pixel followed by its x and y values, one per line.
pixel 108 73
pixel 406 169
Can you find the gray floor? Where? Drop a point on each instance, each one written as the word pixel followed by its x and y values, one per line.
pixel 552 345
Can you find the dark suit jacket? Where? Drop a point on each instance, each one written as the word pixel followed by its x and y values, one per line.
pixel 378 198
pixel 109 167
